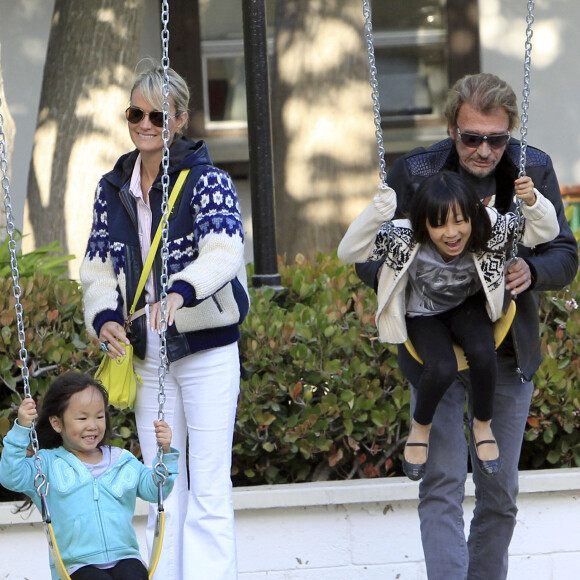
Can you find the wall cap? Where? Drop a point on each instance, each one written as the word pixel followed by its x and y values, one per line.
pixel 324 493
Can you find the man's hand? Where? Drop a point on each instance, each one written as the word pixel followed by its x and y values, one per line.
pixel 518 277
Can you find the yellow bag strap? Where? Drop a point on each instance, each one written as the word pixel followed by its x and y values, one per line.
pixel 155 243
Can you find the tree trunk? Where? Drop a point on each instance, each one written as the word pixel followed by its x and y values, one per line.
pixel 325 159
pixel 185 57
pixel 9 131
pixel 81 130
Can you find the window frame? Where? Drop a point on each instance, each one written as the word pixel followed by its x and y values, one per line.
pixel 462 49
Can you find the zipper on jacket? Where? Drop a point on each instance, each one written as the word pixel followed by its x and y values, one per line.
pixel 517 356
pixel 219 306
pixel 96 497
pixel 130 211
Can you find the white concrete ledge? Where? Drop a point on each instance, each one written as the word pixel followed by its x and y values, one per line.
pixel 348 530
pixel 379 490
pixel 342 492
pixel 550 480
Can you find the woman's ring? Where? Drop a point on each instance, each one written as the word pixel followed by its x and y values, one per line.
pixel 104 346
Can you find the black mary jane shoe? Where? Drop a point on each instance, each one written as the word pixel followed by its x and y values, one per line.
pixel 489 467
pixel 414 471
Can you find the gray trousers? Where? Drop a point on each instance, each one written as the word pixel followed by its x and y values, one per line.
pixel 484 555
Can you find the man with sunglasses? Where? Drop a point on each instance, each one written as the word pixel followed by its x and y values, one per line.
pixel 481 112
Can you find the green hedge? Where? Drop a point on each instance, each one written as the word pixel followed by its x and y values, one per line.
pixel 552 437
pixel 56 339
pixel 320 399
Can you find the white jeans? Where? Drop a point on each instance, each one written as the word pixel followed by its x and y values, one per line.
pixel 202 393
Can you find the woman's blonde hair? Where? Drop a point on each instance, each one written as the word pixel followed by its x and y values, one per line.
pixel 150 79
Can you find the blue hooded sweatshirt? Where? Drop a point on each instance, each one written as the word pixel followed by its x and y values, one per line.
pixel 91 517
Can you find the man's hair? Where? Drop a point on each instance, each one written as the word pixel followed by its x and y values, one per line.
pixel 484 92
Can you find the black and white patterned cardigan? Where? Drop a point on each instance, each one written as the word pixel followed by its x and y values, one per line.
pixel 374 235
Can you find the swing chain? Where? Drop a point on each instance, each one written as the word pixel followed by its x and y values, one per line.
pixel 164 206
pixel 10 227
pixel 524 120
pixel 375 91
pixel 160 469
pixel 526 91
pixel 40 480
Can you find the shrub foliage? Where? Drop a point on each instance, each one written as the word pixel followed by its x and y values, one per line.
pixel 553 435
pixel 56 339
pixel 320 398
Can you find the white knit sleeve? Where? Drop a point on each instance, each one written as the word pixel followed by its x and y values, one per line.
pixel 218 230
pixel 358 242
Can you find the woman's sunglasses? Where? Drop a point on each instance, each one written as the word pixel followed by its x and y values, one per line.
pixel 474 141
pixel 135 115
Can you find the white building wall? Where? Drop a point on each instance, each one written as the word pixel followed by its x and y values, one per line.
pixel 555 82
pixel 24 32
pixel 349 530
pixel 554 114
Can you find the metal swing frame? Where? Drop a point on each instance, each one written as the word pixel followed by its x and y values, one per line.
pixel 502 326
pixel 160 469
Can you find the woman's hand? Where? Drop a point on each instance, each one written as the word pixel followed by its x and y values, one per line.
pixel 174 302
pixel 27 412
pixel 525 190
pixel 112 335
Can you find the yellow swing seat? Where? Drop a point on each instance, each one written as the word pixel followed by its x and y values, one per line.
pixel 500 330
pixel 54 552
pixel 153 561
pixel 157 542
pixel 155 551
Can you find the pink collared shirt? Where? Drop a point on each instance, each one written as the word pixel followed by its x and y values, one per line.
pixel 144 220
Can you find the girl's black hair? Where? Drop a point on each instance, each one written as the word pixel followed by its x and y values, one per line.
pixel 442 192
pixel 56 401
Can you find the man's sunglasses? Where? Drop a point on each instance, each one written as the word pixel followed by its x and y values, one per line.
pixel 474 141
pixel 135 115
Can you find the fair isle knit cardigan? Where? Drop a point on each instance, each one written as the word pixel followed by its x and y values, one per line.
pixel 373 236
pixel 205 245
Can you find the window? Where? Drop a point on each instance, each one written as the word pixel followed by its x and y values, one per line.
pixel 410 41
pixel 421 46
pixel 223 70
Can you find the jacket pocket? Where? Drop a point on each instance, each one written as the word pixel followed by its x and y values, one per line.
pixel 217 303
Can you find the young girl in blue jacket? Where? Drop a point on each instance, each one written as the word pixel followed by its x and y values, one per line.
pixel 93 486
pixel 443 280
